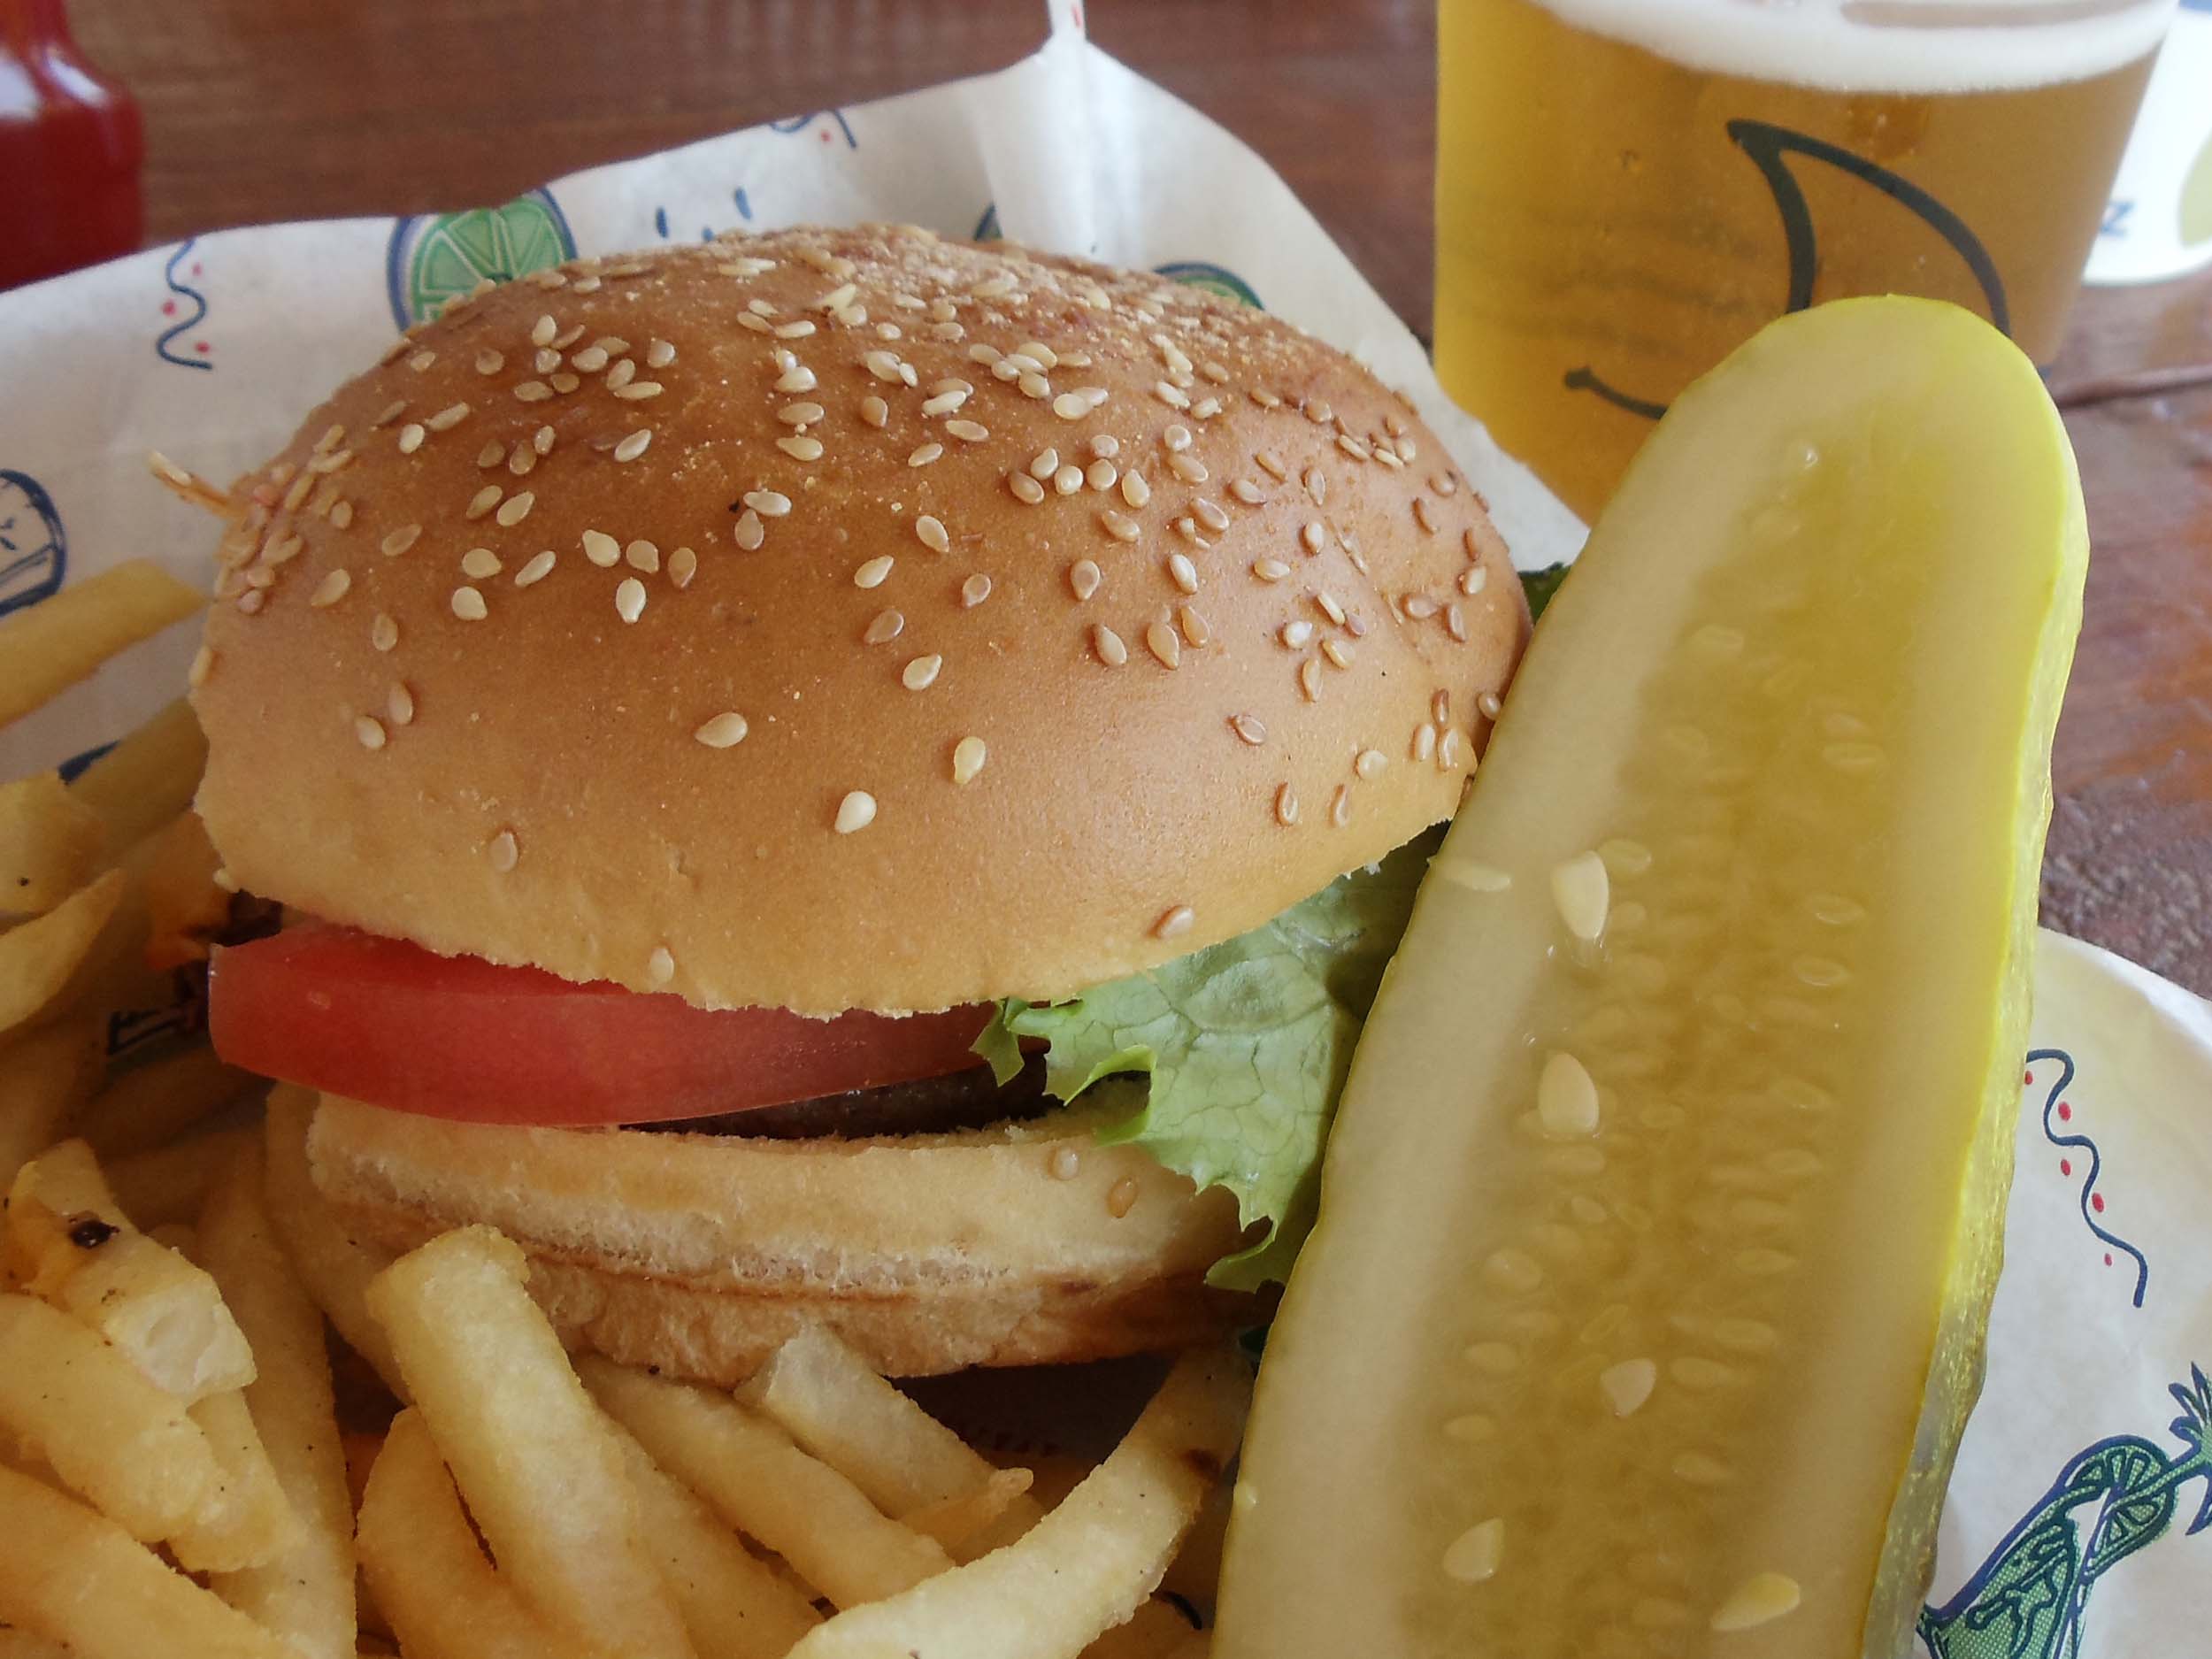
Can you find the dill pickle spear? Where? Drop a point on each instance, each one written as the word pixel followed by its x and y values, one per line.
pixel 1665 1203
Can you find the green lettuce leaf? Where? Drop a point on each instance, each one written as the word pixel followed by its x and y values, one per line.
pixel 1539 586
pixel 1247 1044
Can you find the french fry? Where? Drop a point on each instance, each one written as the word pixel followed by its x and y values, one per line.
pixel 41 958
pixel 733 1604
pixel 544 1477
pixel 959 1524
pixel 336 1270
pixel 109 1434
pixel 70 1243
pixel 424 1567
pixel 49 843
pixel 152 1104
pixel 247 1523
pixel 73 1576
pixel 1157 1630
pixel 1089 1563
pixel 185 905
pixel 305 1595
pixel 53 645
pixel 832 1402
pixel 753 1476
pixel 45 1077
pixel 147 778
pixel 172 1182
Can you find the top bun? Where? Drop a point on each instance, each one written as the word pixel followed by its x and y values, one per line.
pixel 831 619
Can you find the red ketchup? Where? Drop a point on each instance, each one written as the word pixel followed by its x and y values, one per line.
pixel 71 148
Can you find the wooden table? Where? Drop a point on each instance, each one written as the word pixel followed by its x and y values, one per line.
pixel 259 110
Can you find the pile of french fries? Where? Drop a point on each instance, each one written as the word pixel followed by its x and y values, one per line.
pixel 174 1475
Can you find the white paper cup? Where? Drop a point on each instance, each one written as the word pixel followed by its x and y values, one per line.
pixel 2159 221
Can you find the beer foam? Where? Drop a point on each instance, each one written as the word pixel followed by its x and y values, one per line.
pixel 1910 46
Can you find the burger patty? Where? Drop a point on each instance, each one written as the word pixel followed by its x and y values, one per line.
pixel 972 1099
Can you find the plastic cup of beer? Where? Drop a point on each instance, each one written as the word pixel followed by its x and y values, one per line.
pixel 1627 189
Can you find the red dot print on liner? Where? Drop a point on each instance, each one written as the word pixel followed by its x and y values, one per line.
pixel 2065 1113
pixel 2096 1203
pixel 2066 1166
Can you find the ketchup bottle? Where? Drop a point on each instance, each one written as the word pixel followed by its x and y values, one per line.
pixel 71 148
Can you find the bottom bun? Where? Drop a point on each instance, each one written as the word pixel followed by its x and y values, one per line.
pixel 1021 1244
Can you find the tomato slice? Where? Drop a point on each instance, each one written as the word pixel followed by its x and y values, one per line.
pixel 388 1022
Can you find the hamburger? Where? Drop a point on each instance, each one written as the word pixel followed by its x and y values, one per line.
pixel 842 776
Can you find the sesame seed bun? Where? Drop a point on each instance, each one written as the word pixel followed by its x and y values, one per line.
pixel 713 621
pixel 1020 1244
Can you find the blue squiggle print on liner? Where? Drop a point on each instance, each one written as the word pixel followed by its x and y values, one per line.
pixel 2073 1140
pixel 184 324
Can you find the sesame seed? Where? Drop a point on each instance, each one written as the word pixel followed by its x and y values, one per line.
pixel 921 673
pixel 1134 490
pixel 1182 572
pixel 342 514
pixel 1034 385
pixel 591 359
pixel 369 731
pixel 1210 515
pixel 332 589
pixel 1566 1099
pixel 399 703
pixel 250 602
pixel 1354 448
pixel 602 549
pixel 333 436
pixel 410 437
pixel 1038 353
pixel 968 756
pixel 447 417
pixel 1248 492
pixel 390 412
pixel 871 573
pixel 758 325
pixel 400 540
pixel 1489 705
pixel 1309 679
pixel 1473 579
pixel 1317 484
pixel 837 299
pixel 468 604
pixel 1026 489
pixel 1474 1557
pixel 1319 412
pixel 1069 406
pixel 1177 438
pixel 542 440
pixel 1249 727
pixel 535 568
pixel 1286 806
pixel 1067 479
pixel 1455 622
pixel 932 535
pixel 1424 514
pixel 1297 635
pixel 1044 465
pixel 1206 408
pixel 1370 763
pixel 629 599
pixel 967 430
pixel 1108 646
pixel 1174 923
pixel 533 392
pixel 1271 463
pixel 421 361
pixel 801 448
pixel 799 330
pixel 642 555
pixel 516 508
pixel 749 532
pixel 1341 806
pixel 483 501
pixel 1194 627
pixel 1340 655
pixel 856 811
pixel 1120 525
pixel 1100 474
pixel 660 967
pixel 479 563
pixel 979 352
pixel 1447 751
pixel 634 446
pixel 1105 446
pixel 768 504
pixel 884 625
pixel 797 378
pixel 284 550
pixel 383 631
pixel 724 731
pixel 923 454
pixel 884 366
pixel 1269 570
pixel 492 454
pixel 635 391
pixel 1419 607
pixel 1163 641
pixel 542 331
